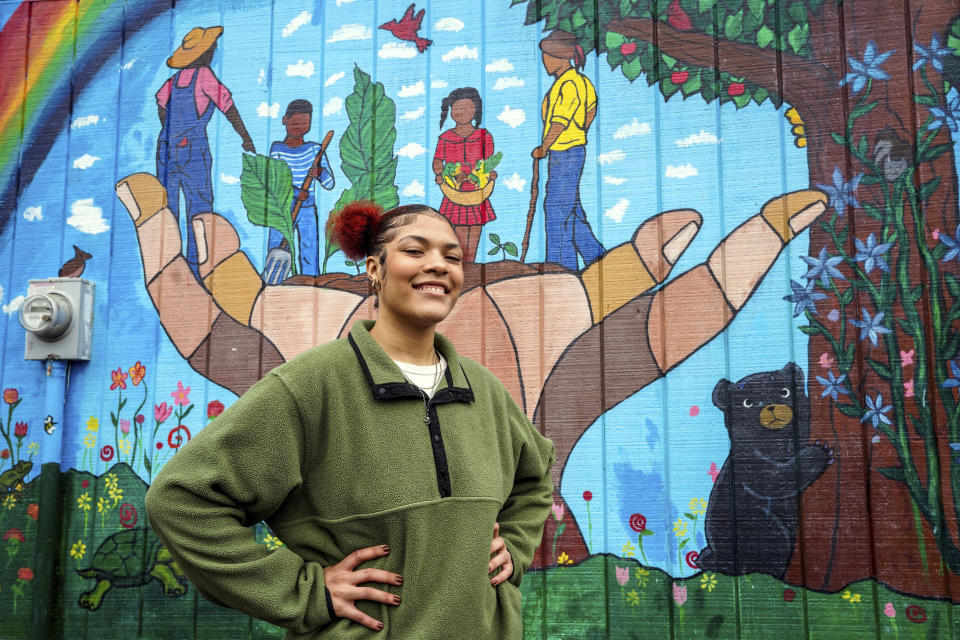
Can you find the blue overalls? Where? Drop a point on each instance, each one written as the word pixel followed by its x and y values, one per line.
pixel 183 158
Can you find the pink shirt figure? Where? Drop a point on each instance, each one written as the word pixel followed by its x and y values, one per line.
pixel 207 88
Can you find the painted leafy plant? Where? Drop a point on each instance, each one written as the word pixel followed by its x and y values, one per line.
pixel 266 188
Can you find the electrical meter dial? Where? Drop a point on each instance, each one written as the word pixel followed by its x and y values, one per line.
pixel 46 315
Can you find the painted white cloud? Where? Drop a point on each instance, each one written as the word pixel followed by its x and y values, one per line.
pixel 500 65
pixel 681 171
pixel 411 150
pixel 85 161
pixel 414 114
pixel 302 18
pixel 353 31
pixel 508 82
pixel 333 78
pixel 512 117
pixel 86 217
pixel 616 212
pixel 635 128
pixel 33 213
pixel 611 156
pixel 228 179
pixel 340 2
pixel 263 74
pixel 397 50
pixel 463 52
pixel 438 84
pixel 410 90
pixel 413 190
pixel 704 137
pixel 333 105
pixel 448 24
pixel 14 305
pixel 614 180
pixel 84 121
pixel 265 110
pixel 515 182
pixel 128 65
pixel 301 68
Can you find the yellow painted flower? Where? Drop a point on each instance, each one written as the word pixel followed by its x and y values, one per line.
pixel 101 505
pixel 125 446
pixel 680 527
pixel 10 501
pixel 708 581
pixel 272 542
pixel 83 502
pixel 633 597
pixel 111 480
pixel 852 597
pixel 33 447
pixel 89 441
pixel 628 550
pixel 78 550
pixel 93 424
pixel 116 494
pixel 563 558
pixel 642 576
pixel 698 506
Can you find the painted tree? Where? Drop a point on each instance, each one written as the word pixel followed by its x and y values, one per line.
pixel 868 84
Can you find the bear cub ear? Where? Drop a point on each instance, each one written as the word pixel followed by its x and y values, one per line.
pixel 721 395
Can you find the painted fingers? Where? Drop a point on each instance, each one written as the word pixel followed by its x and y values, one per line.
pixel 342 581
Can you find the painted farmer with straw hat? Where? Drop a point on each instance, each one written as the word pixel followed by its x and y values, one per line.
pixel 568 110
pixel 185 103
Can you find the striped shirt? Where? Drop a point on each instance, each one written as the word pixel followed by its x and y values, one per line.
pixel 300 159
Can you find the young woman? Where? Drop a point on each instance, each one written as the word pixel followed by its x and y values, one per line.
pixel 407 487
pixel 467 144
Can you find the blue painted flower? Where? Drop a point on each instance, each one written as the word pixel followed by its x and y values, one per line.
pixel 870 327
pixel 842 193
pixel 954 379
pixel 948 114
pixel 953 244
pixel 869 68
pixel 877 411
pixel 871 254
pixel 832 386
pixel 804 297
pixel 934 54
pixel 823 267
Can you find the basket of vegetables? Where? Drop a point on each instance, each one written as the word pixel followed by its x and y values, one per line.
pixel 469 185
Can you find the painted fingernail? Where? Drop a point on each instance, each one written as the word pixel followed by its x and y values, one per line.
pixel 396 599
pixel 385 548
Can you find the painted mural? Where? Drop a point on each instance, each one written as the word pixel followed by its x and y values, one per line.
pixel 713 252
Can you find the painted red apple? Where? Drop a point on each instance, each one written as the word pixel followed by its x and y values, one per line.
pixel 679 77
pixel 628 48
pixel 677 17
pixel 735 89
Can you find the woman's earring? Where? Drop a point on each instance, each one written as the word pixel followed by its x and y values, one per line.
pixel 376 285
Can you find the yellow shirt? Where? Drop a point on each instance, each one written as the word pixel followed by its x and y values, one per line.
pixel 570 98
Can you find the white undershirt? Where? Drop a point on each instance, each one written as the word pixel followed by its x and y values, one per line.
pixel 424 375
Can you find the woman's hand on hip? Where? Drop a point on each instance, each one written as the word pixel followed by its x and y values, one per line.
pixel 500 559
pixel 342 579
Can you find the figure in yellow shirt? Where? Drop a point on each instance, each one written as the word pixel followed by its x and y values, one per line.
pixel 568 110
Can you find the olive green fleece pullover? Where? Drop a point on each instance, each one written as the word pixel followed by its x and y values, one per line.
pixel 336 451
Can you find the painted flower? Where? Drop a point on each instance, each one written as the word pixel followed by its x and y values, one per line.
pixel 633 597
pixel 679 594
pixel 954 379
pixel 214 409
pixel 93 425
pixel 14 534
pixel 823 267
pixel 161 412
pixel 137 372
pixel 78 550
pixel 85 484
pixel 804 297
pixel 558 511
pixel 272 542
pixel 642 575
pixel 833 316
pixel 708 581
pixel 125 446
pixel 25 574
pixel 949 115
pixel 89 441
pixel 33 510
pixel 789 595
pixel 628 550
pixel 10 501
pixel 83 502
pixel 563 558
pixel 4 454
pixel 181 397
pixel 825 361
pixel 102 506
pixel 889 610
pixel 124 425
pixel 842 194
pixel 33 448
pixel 832 386
pixel 139 418
pixel 906 357
pixel 934 54
pixel 877 411
pixel 908 389
pixel 115 493
pixel 623 574
pixel 10 396
pixel 871 254
pixel 588 495
pixel 953 244
pixel 852 597
pixel 20 430
pixel 680 527
pixel 119 378
pixel 870 327
pixel 868 68
pixel 916 614
pixel 638 522
pixel 698 506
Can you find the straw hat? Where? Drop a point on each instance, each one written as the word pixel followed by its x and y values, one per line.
pixel 194 45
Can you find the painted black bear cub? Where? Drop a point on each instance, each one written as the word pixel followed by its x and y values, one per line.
pixel 751 522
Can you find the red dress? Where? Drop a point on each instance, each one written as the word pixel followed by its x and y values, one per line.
pixel 452 148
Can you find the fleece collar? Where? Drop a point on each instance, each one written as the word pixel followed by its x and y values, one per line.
pixel 386 380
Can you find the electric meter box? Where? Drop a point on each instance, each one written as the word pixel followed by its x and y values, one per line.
pixel 58 318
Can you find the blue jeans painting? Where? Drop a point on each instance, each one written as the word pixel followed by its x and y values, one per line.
pixel 568 232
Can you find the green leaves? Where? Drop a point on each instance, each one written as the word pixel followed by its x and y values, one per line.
pixel 893 473
pixel 798 37
pixel 266 189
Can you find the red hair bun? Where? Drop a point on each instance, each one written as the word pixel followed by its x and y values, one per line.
pixel 355 227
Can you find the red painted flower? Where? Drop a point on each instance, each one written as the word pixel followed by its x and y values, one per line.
pixel 735 89
pixel 214 409
pixel 25 574
pixel 161 411
pixel 137 372
pixel 5 454
pixel 588 495
pixel 159 446
pixel 677 17
pixel 14 534
pixel 106 453
pixel 33 510
pixel 139 419
pixel 789 595
pixel 10 396
pixel 638 522
pixel 20 430
pixel 128 515
pixel 628 48
pixel 679 77
pixel 119 379
pixel 85 484
pixel 916 613
pixel 691 559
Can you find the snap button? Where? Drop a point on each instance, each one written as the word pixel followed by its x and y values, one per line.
pixel 436 437
pixel 381 391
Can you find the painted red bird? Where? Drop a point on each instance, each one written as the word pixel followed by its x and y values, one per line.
pixel 408 27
